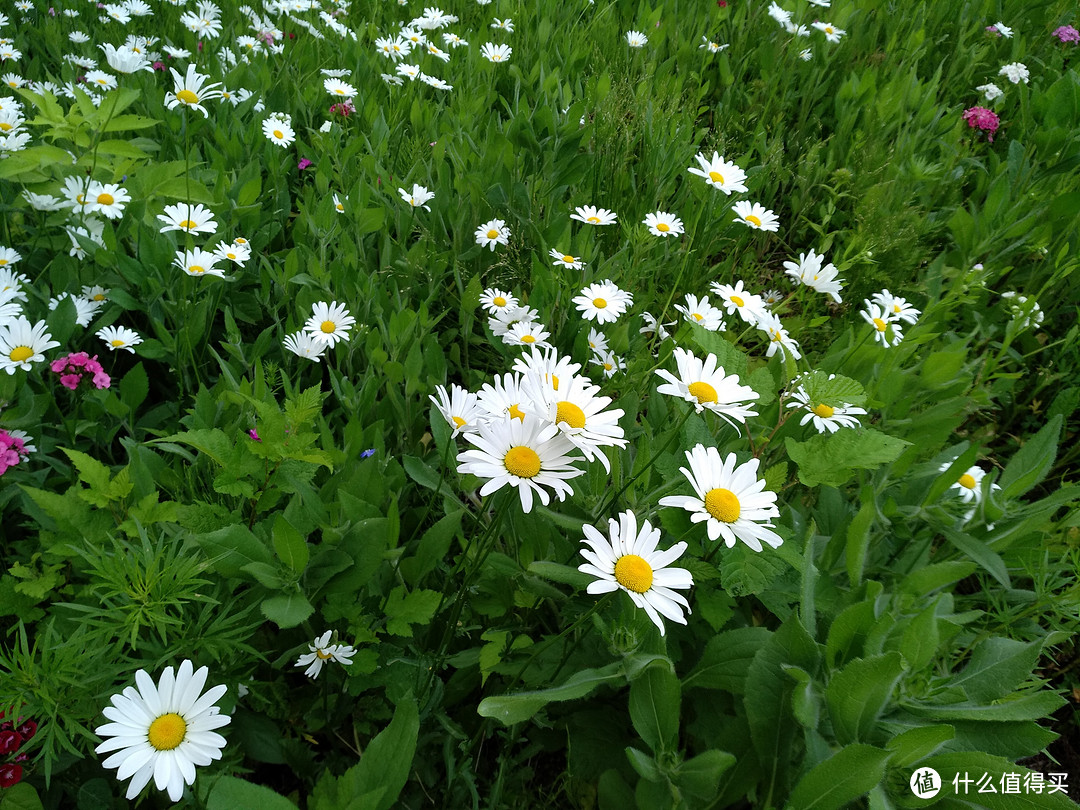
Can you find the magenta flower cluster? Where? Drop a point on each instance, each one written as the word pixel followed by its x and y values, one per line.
pixel 12 450
pixel 77 364
pixel 1067 33
pixel 984 120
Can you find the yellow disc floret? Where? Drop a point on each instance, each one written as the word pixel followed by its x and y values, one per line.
pixel 522 461
pixel 702 392
pixel 21 353
pixel 967 480
pixel 570 413
pixel 329 327
pixel 716 177
pixel 167 732
pixel 880 325
pixel 599 303
pixel 633 573
pixel 499 301
pixel 187 97
pixel 755 220
pixel 105 199
pixel 823 410
pixel 722 504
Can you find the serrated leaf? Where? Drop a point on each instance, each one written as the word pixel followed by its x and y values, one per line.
pixel 404 610
pixel 728 357
pixel 837 392
pixel 859 693
pixel 287 610
pixel 727 659
pixel 845 776
pixel 997 667
pixel 830 460
pixel 290 546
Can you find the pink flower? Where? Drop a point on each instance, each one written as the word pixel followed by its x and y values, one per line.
pixel 983 119
pixel 1067 33
pixel 254 434
pixel 12 451
pixel 303 164
pixel 72 368
pixel 159 66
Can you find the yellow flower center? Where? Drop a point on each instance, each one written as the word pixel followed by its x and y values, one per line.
pixel 599 303
pixel 339 91
pixel 116 344
pixel 188 224
pixel 2 263
pixel 167 732
pixel 328 327
pixel 339 206
pixel 496 58
pixel 230 255
pixel 528 339
pixel 98 297
pixel 696 316
pixel 492 234
pixel 895 307
pixel 196 268
pixel 753 220
pixel 279 134
pixel 187 97
pixel 499 301
pixel 716 177
pixel 105 199
pixel 569 259
pixel 722 505
pixel 737 301
pixel 828 29
pixel 323 654
pixel 663 227
pixel 633 573
pixel 880 325
pixel 967 480
pixel 593 220
pixel 570 413
pixel 522 461
pixel 516 412
pixel 458 421
pixel 5 126
pixel 823 410
pixel 21 353
pixel 702 392
pixel 608 366
pixel 240 241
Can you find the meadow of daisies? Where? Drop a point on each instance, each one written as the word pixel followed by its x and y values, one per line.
pixel 659 404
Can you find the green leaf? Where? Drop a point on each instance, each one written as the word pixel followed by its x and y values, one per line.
pixel 700 777
pixel 920 638
pixel 291 547
pixel 845 776
pixel 830 459
pixel 370 220
pixel 858 537
pixel 385 764
pixel 1031 462
pixel 230 793
pixel 134 387
pixel 1033 706
pixel 287 609
pixel 403 611
pixel 231 548
pixel 997 667
pixel 21 796
pixel 837 392
pixel 655 698
pixel 432 548
pixel 556 572
pixel 979 551
pixel 510 709
pixel 728 357
pixel 858 694
pixel 726 660
pixel 938 575
pixel 421 473
pixel 912 746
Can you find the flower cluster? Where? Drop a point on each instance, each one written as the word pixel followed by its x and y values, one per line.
pixel 884 312
pixel 13 735
pixel 1025 311
pixel 13 449
pixel 77 366
pixel 983 119
pixel 1066 33
pixel 328 324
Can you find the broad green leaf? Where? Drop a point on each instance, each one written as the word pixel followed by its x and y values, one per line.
pixel 919 639
pixel 290 546
pixel 421 473
pixel 1033 706
pixel 510 709
pixel 229 793
pixel 845 776
pixel 432 547
pixel 979 551
pixel 231 548
pixel 387 760
pixel 134 387
pixel 912 746
pixel 404 610
pixel 830 460
pixel 859 693
pixel 997 667
pixel 833 390
pixel 700 776
pixel 21 796
pixel 726 660
pixel 287 610
pixel 655 697
pixel 930 578
pixel 1030 464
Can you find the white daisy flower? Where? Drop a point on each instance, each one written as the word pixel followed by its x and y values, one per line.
pixel 609 362
pixel 417 197
pixel 700 311
pixel 772 297
pixel 887 332
pixel 191 90
pixel 719 173
pixel 22 343
pixel 338 88
pixel 545 364
pixel 738 299
pixel 756 216
pixel 603 302
pixel 98 295
pixel 120 337
pixel 710 46
pixel 107 199
pixel 831 32
pixel 636 39
pixel 511 452
pixel 233 252
pixel 594 216
pixel 163 731
pixel 460 408
pixel 496 53
pixel 329 322
pixel 501 321
pixel 730 498
pixel 652 325
pixel 898 309
pixel 704 383
pixel 505 397
pixel 661 223
pixel 969 485
pixel 629 559
pixel 494 300
pixel 566 260
pixel 278 131
pixel 822 279
pixel 779 338
pixel 321 652
pixel 198 262
pixel 526 333
pixel 188 218
pixel 85 309
pixel 826 418
pixel 597 341
pixel 303 344
pixel 492 233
